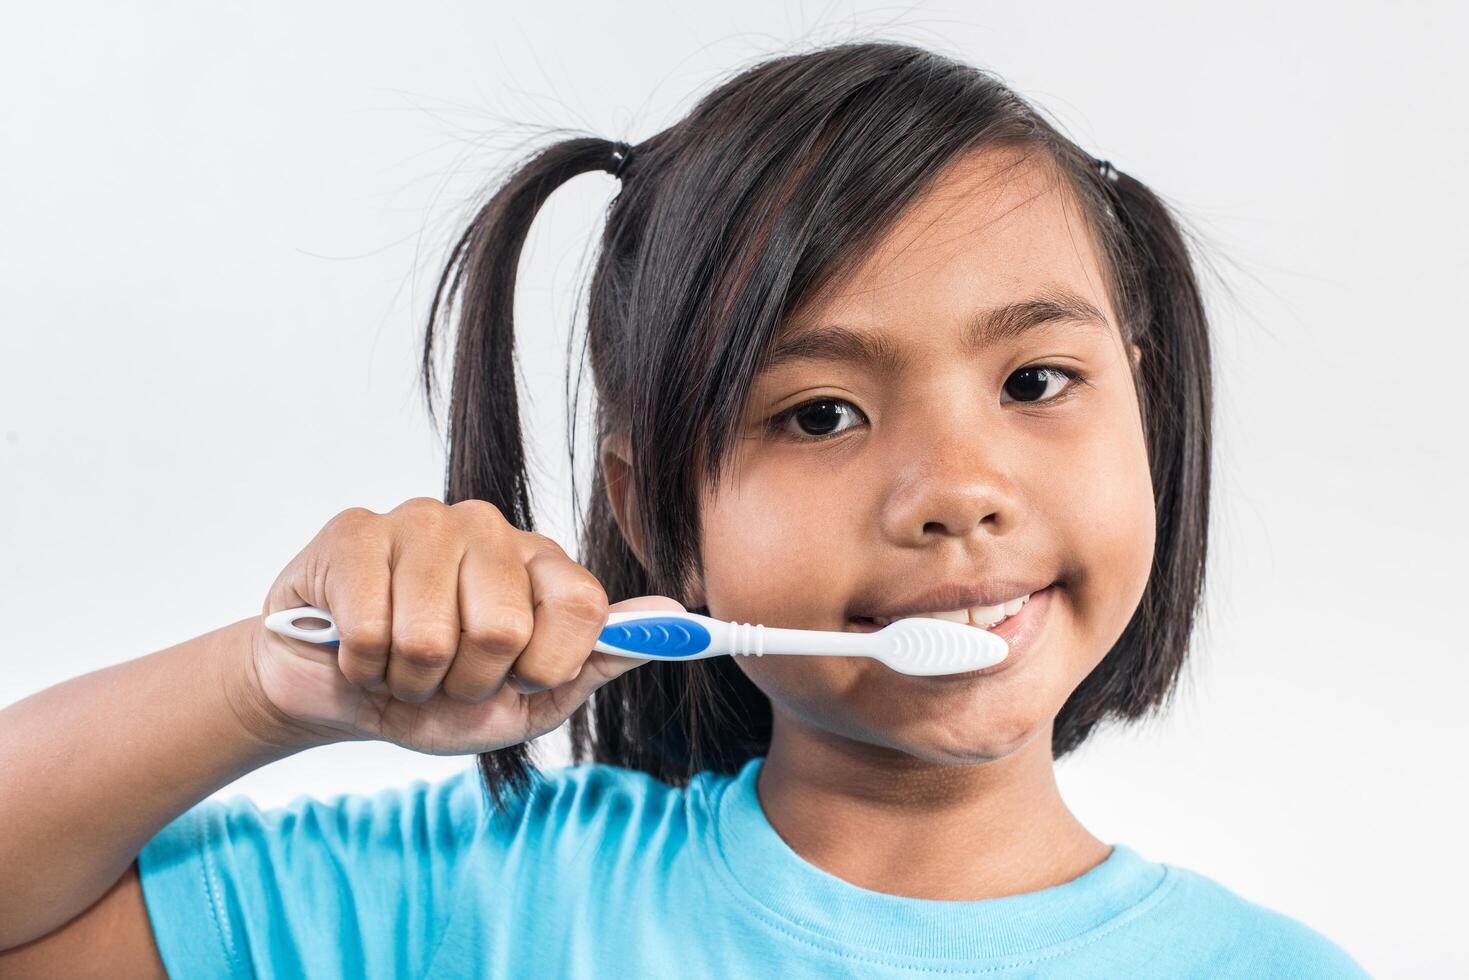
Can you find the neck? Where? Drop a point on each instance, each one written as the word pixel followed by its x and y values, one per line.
pixel 888 822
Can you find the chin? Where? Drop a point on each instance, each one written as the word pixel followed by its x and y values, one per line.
pixel 967 745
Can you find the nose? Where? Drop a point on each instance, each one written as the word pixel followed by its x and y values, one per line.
pixel 952 478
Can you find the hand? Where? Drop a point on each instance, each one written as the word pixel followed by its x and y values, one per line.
pixel 460 633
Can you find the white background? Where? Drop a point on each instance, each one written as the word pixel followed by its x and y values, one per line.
pixel 220 225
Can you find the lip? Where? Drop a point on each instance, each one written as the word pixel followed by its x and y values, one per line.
pixel 1018 632
pixel 959 595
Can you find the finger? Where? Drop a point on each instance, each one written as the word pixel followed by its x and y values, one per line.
pixel 495 620
pixel 549 707
pixel 425 616
pixel 358 592
pixel 605 666
pixel 570 609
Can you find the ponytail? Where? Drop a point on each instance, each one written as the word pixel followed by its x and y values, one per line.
pixel 486 452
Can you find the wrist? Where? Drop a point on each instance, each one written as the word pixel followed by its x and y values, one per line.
pixel 259 719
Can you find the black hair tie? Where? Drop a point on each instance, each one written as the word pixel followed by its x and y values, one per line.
pixel 617 162
pixel 1109 172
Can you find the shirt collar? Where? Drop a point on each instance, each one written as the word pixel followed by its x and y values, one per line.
pixel 777 882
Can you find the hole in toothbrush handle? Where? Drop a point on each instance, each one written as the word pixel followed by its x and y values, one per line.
pixel 298 623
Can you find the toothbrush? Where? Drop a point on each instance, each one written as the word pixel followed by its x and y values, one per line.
pixel 918 646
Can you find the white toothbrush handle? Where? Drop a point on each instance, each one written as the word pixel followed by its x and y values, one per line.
pixel 757 640
pixel 918 646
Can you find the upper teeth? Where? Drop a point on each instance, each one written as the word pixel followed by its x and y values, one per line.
pixel 982 616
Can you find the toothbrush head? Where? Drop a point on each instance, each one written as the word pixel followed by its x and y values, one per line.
pixel 925 647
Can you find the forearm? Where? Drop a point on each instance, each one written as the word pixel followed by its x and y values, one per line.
pixel 92 768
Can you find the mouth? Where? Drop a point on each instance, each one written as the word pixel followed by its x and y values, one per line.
pixel 1017 628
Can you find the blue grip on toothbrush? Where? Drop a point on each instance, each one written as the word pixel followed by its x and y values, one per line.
pixel 666 636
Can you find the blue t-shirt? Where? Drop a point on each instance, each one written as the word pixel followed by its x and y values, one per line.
pixel 608 872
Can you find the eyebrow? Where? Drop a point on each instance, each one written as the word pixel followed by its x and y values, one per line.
pixel 987 328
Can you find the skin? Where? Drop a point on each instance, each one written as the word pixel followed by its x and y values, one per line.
pixel 941 473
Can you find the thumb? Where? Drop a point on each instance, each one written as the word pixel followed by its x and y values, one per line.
pixel 655 602
pixel 556 704
pixel 600 667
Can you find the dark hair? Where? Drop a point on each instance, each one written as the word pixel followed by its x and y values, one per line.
pixel 771 187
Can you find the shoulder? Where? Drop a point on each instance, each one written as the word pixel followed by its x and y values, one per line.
pixel 599 826
pixel 229 885
pixel 446 811
pixel 1240 937
pixel 457 812
pixel 607 799
pixel 596 783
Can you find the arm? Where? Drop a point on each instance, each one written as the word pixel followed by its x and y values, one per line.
pixel 112 938
pixel 94 767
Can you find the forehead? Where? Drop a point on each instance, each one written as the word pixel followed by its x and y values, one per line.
pixel 997 226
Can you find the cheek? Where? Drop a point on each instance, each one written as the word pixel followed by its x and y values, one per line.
pixel 773 550
pixel 775 553
pixel 1111 526
pixel 821 690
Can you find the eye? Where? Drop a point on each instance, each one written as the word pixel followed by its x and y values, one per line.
pixel 820 418
pixel 1029 385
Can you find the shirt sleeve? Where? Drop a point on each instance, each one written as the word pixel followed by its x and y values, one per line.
pixel 358 886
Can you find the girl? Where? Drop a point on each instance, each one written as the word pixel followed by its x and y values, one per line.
pixel 871 339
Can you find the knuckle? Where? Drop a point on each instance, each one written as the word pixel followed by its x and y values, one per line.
pixel 540 542
pixel 351 522
pixel 366 636
pixel 508 630
pixel 422 513
pixel 581 602
pixel 426 644
pixel 421 505
pixel 479 511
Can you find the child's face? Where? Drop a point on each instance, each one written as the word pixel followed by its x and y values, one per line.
pixel 949 469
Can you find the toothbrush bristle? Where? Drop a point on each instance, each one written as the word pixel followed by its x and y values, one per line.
pixel 926 647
